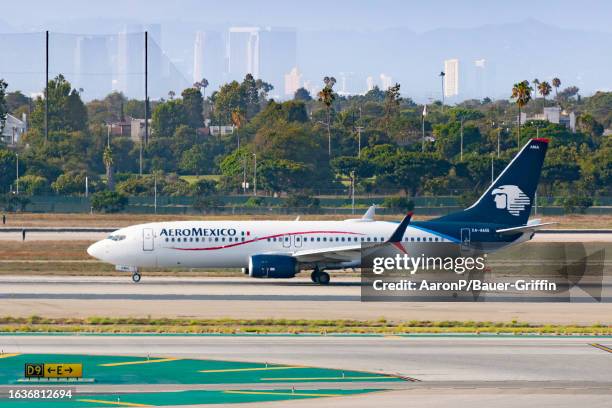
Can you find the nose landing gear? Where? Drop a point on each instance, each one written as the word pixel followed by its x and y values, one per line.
pixel 136 277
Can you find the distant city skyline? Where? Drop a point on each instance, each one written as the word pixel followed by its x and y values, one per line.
pixel 98 58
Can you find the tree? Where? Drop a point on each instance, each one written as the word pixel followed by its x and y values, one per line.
pixel 411 169
pixel 556 82
pixel 194 107
pixel 302 94
pixel 327 96
pixel 193 160
pixel 73 183
pixel 67 113
pixel 544 89
pixel 8 161
pixel 392 103
pixel 16 100
pixel 3 104
pixel 108 201
pixel 521 93
pixel 167 117
pixel 107 158
pixel 33 185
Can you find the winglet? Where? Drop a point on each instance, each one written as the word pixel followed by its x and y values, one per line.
pixel 369 215
pixel 398 234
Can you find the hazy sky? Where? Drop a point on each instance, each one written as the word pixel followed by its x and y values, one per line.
pixel 420 15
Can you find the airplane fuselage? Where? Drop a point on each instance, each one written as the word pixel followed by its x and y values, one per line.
pixel 230 244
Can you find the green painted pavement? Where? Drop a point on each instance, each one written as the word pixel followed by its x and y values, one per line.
pixel 178 398
pixel 160 370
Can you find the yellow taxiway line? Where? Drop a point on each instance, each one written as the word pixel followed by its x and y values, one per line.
pixel 119 403
pixel 322 378
pixel 297 394
pixel 233 370
pixel 159 360
pixel 602 347
pixel 8 355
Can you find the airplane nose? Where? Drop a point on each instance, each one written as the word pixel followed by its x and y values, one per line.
pixel 95 250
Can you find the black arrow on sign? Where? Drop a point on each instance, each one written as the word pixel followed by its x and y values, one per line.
pixel 69 369
pixel 49 370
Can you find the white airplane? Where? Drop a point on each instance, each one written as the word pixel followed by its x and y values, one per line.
pixel 281 249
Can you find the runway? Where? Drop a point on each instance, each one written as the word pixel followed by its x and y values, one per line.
pixel 252 298
pixel 463 370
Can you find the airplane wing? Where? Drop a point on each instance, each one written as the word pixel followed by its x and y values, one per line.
pixel 523 228
pixel 348 253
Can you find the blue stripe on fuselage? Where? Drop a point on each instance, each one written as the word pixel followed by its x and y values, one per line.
pixel 439 234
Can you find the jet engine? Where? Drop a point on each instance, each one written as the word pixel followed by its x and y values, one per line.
pixel 272 266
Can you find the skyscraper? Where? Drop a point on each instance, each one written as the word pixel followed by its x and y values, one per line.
pixel 208 58
pixel 266 53
pixel 243 50
pixel 451 77
pixel 369 83
pixel 480 78
pixel 130 62
pixel 385 81
pixel 92 66
pixel 292 81
pixel 277 56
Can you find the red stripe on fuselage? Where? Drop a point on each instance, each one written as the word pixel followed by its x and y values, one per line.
pixel 266 237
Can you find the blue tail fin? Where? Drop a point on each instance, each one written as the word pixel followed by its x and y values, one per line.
pixel 509 198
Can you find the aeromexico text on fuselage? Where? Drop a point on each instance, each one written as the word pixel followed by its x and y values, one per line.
pixel 199 232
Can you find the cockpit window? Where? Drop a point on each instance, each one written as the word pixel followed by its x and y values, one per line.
pixel 116 237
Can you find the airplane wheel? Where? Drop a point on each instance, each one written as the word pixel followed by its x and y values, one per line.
pixel 323 278
pixel 314 276
pixel 136 277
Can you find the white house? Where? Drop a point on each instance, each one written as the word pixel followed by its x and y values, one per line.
pixel 13 129
pixel 553 114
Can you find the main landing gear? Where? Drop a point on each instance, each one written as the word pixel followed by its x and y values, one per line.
pixel 136 277
pixel 320 277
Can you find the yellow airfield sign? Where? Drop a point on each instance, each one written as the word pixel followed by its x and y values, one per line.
pixel 53 370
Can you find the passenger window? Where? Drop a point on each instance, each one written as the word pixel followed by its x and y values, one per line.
pixel 368 239
pixel 412 239
pixel 166 239
pixel 242 239
pixel 216 239
pixel 342 239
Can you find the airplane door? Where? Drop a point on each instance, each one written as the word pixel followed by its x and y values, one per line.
pixel 286 241
pixel 297 241
pixel 465 239
pixel 147 239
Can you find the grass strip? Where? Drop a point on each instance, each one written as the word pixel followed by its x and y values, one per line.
pixel 130 325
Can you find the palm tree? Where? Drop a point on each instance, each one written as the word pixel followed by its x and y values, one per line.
pixel 521 93
pixel 202 85
pixel 171 95
pixel 556 82
pixel 442 75
pixel 544 89
pixel 107 158
pixel 327 96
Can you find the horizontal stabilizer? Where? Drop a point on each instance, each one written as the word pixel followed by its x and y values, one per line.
pixel 523 228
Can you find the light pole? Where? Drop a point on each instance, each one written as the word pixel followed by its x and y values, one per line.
pixel 461 120
pixel 353 192
pixel 255 175
pixel 359 129
pixel 17 179
pixel 155 192
pixel 108 130
pixel 442 75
